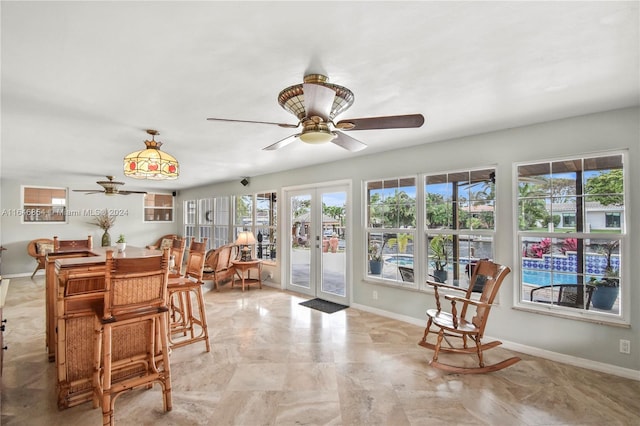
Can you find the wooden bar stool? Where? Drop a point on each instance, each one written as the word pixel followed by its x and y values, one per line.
pixel 131 344
pixel 186 321
pixel 178 248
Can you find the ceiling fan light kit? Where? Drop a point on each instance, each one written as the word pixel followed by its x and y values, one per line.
pixel 315 131
pixel 151 163
pixel 315 103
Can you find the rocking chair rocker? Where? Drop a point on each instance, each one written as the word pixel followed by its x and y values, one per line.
pixel 489 275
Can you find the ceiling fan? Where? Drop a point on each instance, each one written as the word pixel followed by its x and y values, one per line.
pixel 316 103
pixel 110 187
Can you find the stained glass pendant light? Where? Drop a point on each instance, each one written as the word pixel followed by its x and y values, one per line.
pixel 151 163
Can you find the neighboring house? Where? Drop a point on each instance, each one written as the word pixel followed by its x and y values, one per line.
pixel 598 216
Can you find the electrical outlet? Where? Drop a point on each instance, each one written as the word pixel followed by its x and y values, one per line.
pixel 625 346
pixel 375 295
pixel 270 275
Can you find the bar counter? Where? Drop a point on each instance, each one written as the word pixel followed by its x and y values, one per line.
pixel 75 290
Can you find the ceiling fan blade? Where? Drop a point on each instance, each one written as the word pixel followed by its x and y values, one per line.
pixel 288 126
pixel 348 143
pixel 318 100
pixel 284 142
pixel 88 191
pixel 131 192
pixel 388 122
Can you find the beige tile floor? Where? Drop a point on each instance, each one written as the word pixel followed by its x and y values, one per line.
pixel 274 362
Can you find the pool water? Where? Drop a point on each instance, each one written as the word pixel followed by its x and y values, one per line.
pixel 399 260
pixel 541 278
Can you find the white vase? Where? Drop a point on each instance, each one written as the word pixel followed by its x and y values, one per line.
pixel 121 246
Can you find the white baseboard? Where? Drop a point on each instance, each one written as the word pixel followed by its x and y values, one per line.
pixel 529 350
pixel 23 274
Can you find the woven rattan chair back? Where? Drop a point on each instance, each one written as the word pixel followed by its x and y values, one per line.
pixel 178 248
pixel 187 317
pixel 131 348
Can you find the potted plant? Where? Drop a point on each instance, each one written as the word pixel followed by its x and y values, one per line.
pixel 121 243
pixel 105 221
pixel 375 257
pixel 607 287
pixel 439 253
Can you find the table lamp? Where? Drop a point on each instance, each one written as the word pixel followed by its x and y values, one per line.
pixel 245 239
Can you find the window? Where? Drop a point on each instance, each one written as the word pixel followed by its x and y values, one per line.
pixel 205 220
pixel 459 223
pixel 258 213
pixel 43 205
pixel 568 220
pixel 439 237
pixel 158 207
pixel 208 218
pixel 570 271
pixel 221 220
pixel 391 228
pixel 265 225
pixel 612 220
pixel 190 210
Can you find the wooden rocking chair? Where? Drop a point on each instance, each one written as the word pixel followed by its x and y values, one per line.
pixel 489 275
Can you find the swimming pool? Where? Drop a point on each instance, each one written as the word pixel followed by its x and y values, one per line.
pixel 541 278
pixel 399 259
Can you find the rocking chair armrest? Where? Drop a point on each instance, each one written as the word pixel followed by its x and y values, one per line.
pixel 443 285
pixel 465 300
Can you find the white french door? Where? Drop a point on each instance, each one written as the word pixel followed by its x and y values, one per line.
pixel 318 249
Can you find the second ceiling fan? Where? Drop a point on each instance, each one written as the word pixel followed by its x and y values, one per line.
pixel 315 103
pixel 109 187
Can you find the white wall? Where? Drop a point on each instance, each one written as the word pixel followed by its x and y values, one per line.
pixel 570 137
pixel 16 236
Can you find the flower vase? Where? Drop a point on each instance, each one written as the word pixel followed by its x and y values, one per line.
pixel 106 239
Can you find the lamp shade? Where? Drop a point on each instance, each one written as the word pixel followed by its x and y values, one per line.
pixel 245 238
pixel 151 163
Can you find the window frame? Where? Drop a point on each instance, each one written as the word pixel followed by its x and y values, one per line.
pixel 586 235
pixel 421 233
pixel 457 235
pixel 374 231
pixel 250 222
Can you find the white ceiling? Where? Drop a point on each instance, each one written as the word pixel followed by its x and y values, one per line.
pixel 82 80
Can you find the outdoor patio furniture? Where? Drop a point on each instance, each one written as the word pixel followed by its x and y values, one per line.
pixel 572 295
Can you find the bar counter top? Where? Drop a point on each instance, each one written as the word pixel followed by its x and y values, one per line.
pixel 98 255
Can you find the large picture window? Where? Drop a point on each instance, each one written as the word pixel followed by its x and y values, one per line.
pixel 208 218
pixel 391 229
pixel 258 213
pixel 459 223
pixel 571 267
pixel 435 231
